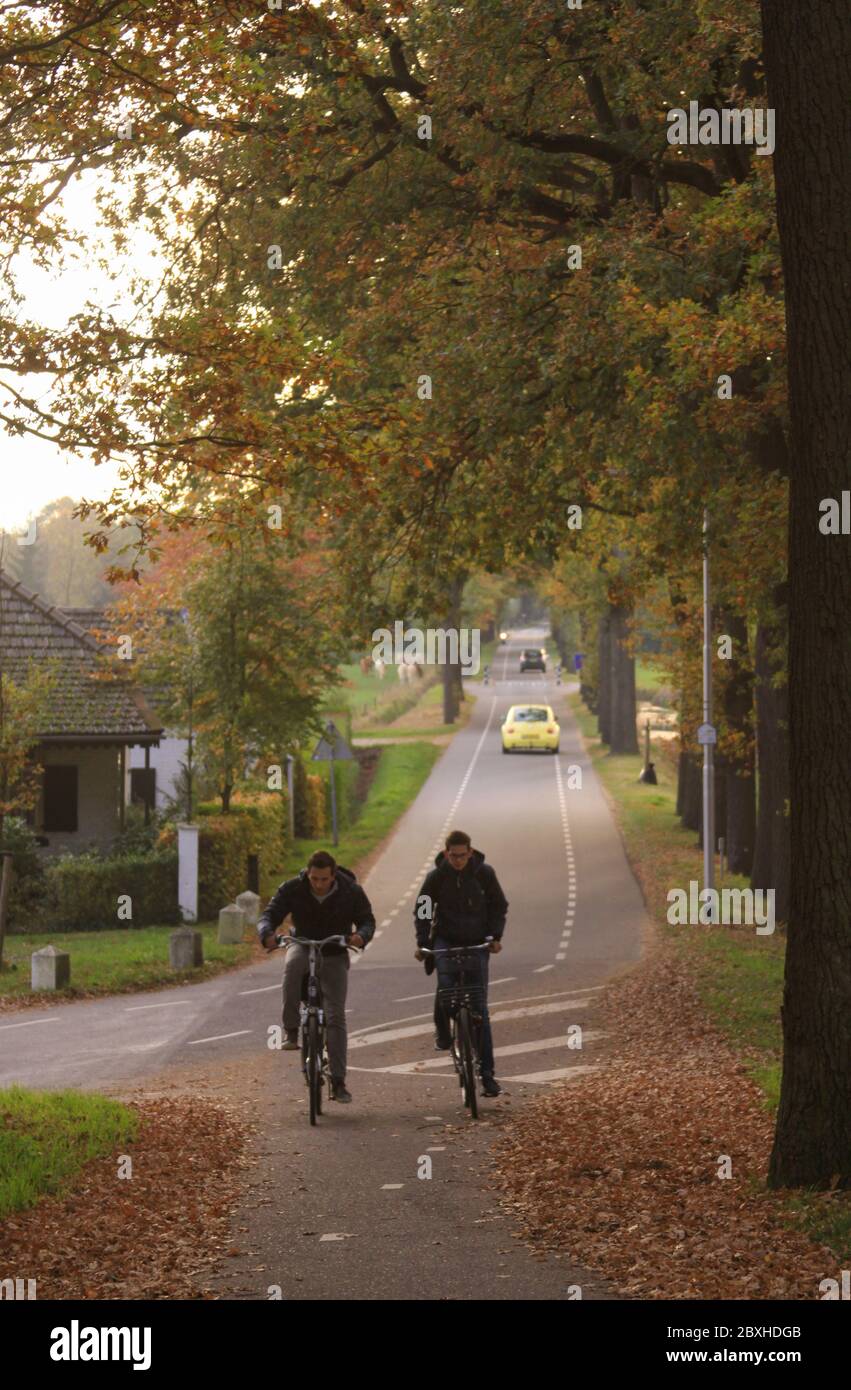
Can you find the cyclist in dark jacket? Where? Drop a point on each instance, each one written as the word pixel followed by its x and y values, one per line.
pixel 324 900
pixel 459 904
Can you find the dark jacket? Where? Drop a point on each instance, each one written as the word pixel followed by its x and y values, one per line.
pixel 346 907
pixel 462 907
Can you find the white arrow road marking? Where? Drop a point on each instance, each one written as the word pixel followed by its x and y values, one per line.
pixel 30 1023
pixel 219 1036
pixel 543 1076
pixel 523 999
pixel 409 998
pixel 509 1050
pixel 417 1030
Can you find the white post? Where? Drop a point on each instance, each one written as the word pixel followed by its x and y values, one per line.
pixel 708 751
pixel 187 872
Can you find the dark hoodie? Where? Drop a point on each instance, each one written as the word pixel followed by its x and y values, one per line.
pixel 463 907
pixel 345 907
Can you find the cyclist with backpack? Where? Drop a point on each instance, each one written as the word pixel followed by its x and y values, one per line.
pixel 324 900
pixel 460 903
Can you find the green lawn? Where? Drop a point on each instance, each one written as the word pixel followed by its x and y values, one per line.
pixel 402 770
pixel 47 1136
pixel 111 962
pixel 649 676
pixel 738 974
pixel 422 720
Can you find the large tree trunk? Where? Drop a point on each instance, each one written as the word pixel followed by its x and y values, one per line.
pixel 739 770
pixel 604 678
pixel 589 687
pixel 772 850
pixel 624 736
pixel 691 799
pixel 453 692
pixel 807 50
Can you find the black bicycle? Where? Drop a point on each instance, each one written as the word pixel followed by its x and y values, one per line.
pixel 464 1003
pixel 314 1042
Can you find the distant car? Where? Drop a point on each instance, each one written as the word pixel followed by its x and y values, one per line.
pixel 503 637
pixel 533 659
pixel 530 726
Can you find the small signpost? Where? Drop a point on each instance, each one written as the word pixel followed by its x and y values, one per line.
pixel 331 748
pixel 707 734
pixel 577 660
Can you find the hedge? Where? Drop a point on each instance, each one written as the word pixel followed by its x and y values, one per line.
pixel 82 893
pixel 254 825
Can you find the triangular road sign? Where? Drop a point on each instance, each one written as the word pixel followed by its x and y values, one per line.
pixel 331 745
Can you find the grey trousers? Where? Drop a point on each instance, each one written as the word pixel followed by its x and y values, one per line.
pixel 335 980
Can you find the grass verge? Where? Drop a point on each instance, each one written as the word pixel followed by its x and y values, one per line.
pixel 47 1136
pixel 113 962
pixel 403 769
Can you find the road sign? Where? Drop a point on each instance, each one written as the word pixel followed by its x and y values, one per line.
pixel 577 661
pixel 707 733
pixel 332 745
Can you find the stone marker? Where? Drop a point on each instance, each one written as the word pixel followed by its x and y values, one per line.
pixel 185 949
pixel 250 904
pixel 231 925
pixel 50 968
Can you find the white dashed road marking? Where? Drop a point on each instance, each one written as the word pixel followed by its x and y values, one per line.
pixel 219 1037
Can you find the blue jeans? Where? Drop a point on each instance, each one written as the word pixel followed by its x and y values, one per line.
pixel 475 973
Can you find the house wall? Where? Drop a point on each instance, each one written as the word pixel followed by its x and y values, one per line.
pixel 98 782
pixel 166 759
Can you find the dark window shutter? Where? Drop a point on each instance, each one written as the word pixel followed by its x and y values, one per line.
pixel 143 786
pixel 60 798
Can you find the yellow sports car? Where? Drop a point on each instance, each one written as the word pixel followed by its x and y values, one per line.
pixel 530 726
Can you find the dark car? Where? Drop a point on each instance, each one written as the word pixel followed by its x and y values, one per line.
pixel 532 659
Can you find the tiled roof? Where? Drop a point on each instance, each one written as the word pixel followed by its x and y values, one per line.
pixel 101 624
pixel 80 701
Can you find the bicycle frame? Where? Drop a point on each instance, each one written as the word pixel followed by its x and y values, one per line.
pixel 464 1010
pixel 312 1009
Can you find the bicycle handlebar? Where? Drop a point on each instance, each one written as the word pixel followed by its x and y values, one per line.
pixel 457 950
pixel 287 939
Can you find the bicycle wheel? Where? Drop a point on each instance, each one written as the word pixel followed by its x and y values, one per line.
pixel 468 1070
pixel 313 1066
pixel 323 1070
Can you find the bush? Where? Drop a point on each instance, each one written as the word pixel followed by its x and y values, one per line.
pixel 82 892
pixel 136 837
pixel 255 824
pixel 315 816
pixel 28 884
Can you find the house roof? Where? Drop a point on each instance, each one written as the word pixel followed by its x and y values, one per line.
pixel 101 625
pixel 83 701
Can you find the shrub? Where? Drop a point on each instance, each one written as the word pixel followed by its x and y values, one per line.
pixel 82 892
pixel 28 884
pixel 255 824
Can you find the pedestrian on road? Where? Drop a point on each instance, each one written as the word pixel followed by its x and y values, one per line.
pixel 459 904
pixel 324 900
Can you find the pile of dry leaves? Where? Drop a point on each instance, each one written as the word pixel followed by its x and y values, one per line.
pixel 620 1168
pixel 152 1235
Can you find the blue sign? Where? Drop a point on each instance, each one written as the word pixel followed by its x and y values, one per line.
pixel 577 661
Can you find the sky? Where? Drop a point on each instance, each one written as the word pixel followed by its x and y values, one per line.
pixel 34 472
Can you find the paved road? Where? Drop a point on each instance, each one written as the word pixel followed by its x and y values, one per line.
pixel 340 1210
